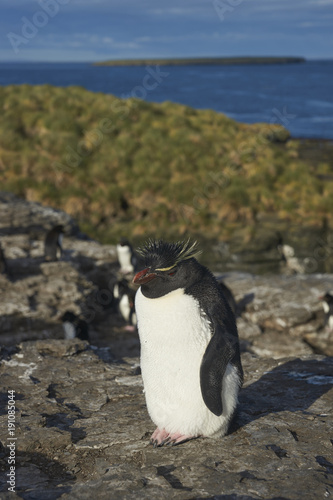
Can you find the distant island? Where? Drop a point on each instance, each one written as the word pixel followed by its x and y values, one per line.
pixel 201 60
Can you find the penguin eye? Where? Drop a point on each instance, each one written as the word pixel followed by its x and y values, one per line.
pixel 172 272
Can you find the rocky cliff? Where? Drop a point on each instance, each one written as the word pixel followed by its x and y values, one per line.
pixel 81 428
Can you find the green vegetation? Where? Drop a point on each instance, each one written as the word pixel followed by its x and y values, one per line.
pixel 201 60
pixel 132 167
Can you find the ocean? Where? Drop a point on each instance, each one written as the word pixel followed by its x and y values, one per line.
pixel 298 96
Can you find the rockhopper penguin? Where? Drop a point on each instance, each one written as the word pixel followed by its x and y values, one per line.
pixel 125 296
pixel 53 243
pixel 327 303
pixel 3 262
pixel 190 357
pixel 74 327
pixel 126 256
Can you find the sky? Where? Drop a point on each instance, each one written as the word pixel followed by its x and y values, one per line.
pixel 96 30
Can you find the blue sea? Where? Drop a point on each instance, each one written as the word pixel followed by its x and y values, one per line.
pixel 298 96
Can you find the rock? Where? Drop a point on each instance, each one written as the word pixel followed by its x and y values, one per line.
pixel 81 423
pixel 284 313
pixel 82 431
pixel 321 342
pixel 21 216
pixel 280 315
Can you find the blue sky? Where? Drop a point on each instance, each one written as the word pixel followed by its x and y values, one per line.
pixel 93 30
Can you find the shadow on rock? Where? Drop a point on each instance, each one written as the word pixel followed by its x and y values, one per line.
pixel 292 386
pixel 37 476
pixel 64 422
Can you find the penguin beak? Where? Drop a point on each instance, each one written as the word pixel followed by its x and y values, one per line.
pixel 144 276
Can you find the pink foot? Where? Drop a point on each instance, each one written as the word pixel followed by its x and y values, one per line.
pixel 130 328
pixel 177 438
pixel 159 437
pixel 162 437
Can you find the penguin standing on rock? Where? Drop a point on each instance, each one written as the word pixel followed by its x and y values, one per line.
pixel 53 243
pixel 190 359
pixel 3 262
pixel 74 327
pixel 126 257
pixel 125 296
pixel 327 303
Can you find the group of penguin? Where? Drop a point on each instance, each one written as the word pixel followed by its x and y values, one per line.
pixel 123 290
pixel 190 355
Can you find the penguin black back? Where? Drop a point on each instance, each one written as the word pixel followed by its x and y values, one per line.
pixel 3 262
pixel 53 243
pixel 189 313
pixel 229 296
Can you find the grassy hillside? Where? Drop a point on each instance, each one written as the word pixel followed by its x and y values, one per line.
pixel 127 166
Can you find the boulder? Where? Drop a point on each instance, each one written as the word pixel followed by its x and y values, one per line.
pixel 82 430
pixel 81 425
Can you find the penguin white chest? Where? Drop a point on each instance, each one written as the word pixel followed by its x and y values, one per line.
pixel 330 322
pixel 325 306
pixel 124 257
pixel 69 330
pixel 174 334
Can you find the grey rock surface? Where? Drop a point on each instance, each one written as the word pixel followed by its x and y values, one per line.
pixel 21 216
pixel 83 431
pixel 81 423
pixel 284 315
pixel 281 315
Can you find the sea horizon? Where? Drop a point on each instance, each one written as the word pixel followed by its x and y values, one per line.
pixel 295 95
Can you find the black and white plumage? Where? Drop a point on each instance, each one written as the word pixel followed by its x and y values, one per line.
pixel 327 303
pixel 229 296
pixel 292 263
pixel 125 296
pixel 74 327
pixel 126 257
pixel 3 262
pixel 53 243
pixel 190 357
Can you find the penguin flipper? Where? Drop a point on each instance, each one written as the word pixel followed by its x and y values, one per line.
pixel 218 354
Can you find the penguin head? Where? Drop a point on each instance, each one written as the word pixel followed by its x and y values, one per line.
pixel 328 298
pixel 123 242
pixel 69 317
pixel 168 267
pixel 59 229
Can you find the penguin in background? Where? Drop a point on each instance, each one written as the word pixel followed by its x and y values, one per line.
pixel 327 303
pixel 290 261
pixel 126 257
pixel 3 263
pixel 53 244
pixel 190 357
pixel 125 296
pixel 74 327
